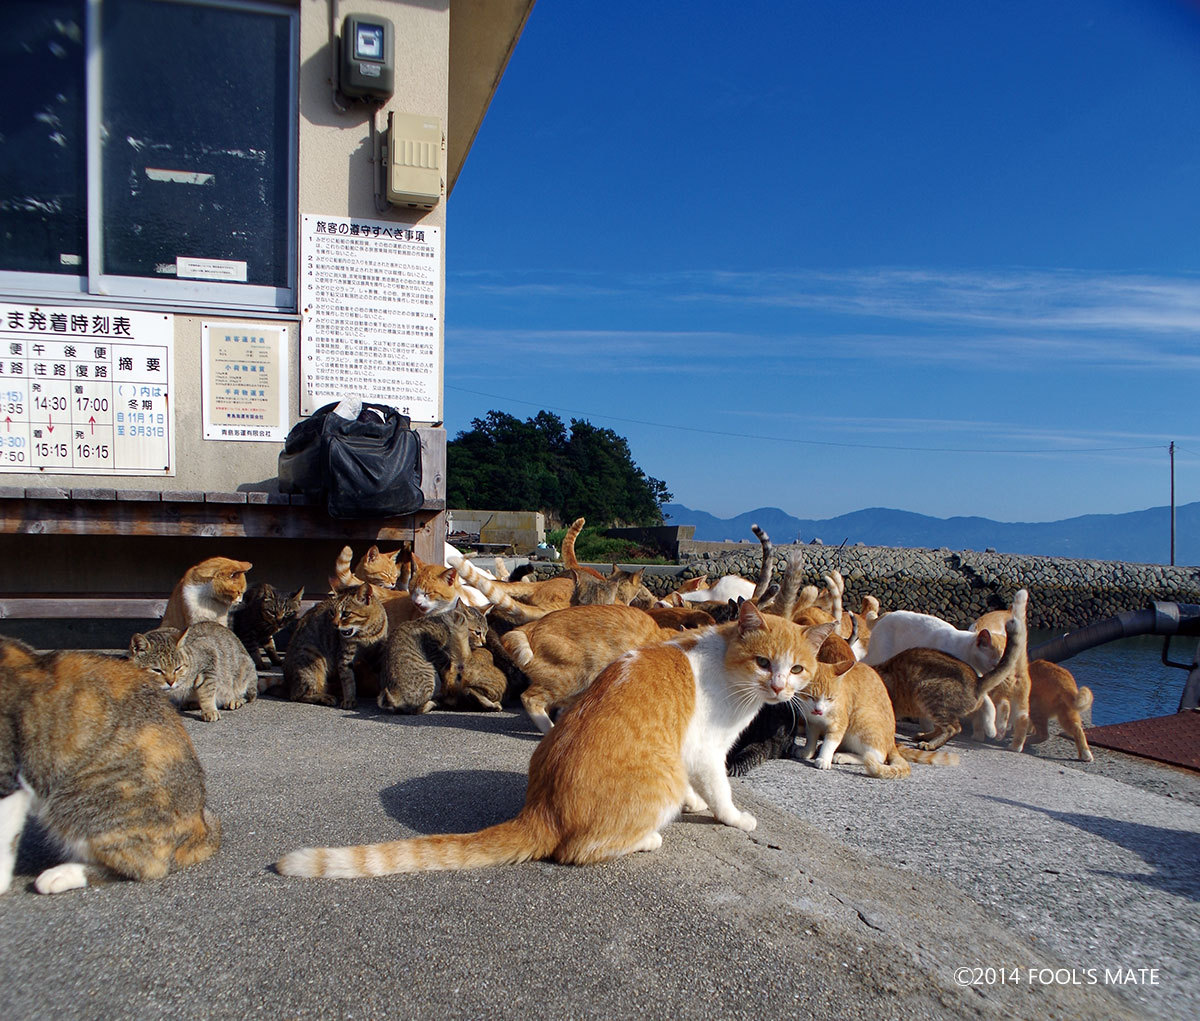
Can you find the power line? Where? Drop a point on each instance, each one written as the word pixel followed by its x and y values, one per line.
pixel 793 439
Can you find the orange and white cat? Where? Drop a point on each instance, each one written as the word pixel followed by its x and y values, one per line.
pixel 648 738
pixel 848 713
pixel 1010 699
pixel 207 591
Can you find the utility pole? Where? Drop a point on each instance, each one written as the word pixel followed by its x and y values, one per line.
pixel 1172 450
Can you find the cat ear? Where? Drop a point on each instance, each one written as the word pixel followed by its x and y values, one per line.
pixel 835 651
pixel 372 555
pixel 749 619
pixel 984 639
pixel 138 643
pixel 818 633
pixel 416 561
pixel 391 556
pixel 449 575
pixel 296 596
pixel 694 583
pixel 485 609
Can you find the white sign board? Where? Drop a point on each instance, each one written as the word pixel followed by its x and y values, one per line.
pixel 370 301
pixel 86 391
pixel 244 381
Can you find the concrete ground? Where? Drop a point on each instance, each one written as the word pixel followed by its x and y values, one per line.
pixel 854 898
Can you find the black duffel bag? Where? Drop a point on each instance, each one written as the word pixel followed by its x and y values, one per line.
pixel 368 467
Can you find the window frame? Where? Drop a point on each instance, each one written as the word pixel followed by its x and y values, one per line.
pixel 97 287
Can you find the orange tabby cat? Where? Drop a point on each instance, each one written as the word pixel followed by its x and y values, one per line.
pixel 846 705
pixel 649 736
pixel 1011 699
pixel 520 601
pixel 206 592
pixel 1053 693
pixel 564 651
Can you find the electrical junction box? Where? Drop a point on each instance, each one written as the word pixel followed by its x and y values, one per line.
pixel 415 154
pixel 368 64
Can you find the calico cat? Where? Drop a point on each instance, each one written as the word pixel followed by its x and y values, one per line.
pixel 206 592
pixel 206 665
pixel 89 746
pixel 846 706
pixel 337 636
pixel 1053 693
pixel 648 737
pixel 938 689
pixel 263 613
pixel 903 629
pixel 563 652
pixel 423 657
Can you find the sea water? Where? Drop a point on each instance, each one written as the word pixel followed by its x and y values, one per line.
pixel 1127 677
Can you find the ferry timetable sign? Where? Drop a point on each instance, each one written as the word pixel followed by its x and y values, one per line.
pixel 86 391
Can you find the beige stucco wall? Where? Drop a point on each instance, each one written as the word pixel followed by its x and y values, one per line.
pixel 334 179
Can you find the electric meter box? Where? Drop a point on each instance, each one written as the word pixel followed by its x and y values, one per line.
pixel 368 64
pixel 415 154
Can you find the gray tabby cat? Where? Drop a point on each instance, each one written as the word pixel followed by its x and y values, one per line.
pixel 207 666
pixel 263 612
pixel 338 635
pixel 425 657
pixel 90 747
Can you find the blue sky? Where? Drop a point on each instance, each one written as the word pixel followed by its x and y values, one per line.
pixel 938 256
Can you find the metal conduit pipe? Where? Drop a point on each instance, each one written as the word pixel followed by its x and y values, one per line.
pixel 1160 618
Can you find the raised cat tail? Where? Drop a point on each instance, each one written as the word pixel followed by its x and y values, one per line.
pixel 1014 648
pixel 521 839
pixel 342 577
pixel 1083 701
pixel 568 550
pixel 766 567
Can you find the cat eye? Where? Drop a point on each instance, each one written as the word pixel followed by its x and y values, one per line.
pixel 763 662
pixel 798 668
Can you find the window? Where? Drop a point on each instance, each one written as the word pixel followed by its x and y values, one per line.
pixel 150 153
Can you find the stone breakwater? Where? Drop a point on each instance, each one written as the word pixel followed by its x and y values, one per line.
pixel 957 586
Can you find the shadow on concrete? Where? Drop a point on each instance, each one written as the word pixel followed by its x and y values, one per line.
pixel 455 800
pixel 1171 853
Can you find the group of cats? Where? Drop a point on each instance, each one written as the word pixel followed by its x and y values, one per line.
pixel 646 705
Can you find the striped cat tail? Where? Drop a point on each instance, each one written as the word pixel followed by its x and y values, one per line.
pixel 507 607
pixel 568 550
pixel 342 578
pixel 520 839
pixel 928 758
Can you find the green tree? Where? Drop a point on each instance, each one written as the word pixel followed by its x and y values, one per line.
pixel 502 463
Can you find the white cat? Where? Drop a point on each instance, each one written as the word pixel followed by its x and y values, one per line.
pixel 903 629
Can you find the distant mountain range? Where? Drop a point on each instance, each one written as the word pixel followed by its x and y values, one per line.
pixel 1137 537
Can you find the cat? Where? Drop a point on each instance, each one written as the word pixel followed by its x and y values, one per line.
pixel 731 586
pixel 679 618
pixel 93 750
pixel 903 629
pixel 426 588
pixel 938 689
pixel 337 636
pixel 207 591
pixel 847 706
pixel 425 656
pixel 568 552
pixel 647 738
pixel 480 685
pixel 1011 699
pixel 263 613
pixel 376 568
pixel 1053 693
pixel 520 602
pixel 206 665
pixel 592 588
pixel 563 652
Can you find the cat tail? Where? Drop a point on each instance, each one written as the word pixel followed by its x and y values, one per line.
pixel 767 568
pixel 521 839
pixel 568 550
pixel 508 608
pixel 516 644
pixel 201 842
pixel 785 602
pixel 1083 701
pixel 1014 648
pixel 342 577
pixel 928 758
pixel 895 768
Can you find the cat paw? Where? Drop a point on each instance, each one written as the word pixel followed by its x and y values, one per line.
pixel 237 703
pixel 348 704
pixel 822 764
pixel 744 821
pixel 209 715
pixel 1087 757
pixel 68 876
pixel 692 802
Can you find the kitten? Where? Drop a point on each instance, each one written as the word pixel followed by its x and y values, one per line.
pixel 903 629
pixel 206 592
pixel 846 706
pixel 424 657
pixel 1053 693
pixel 102 760
pixel 938 689
pixel 563 652
pixel 1011 699
pixel 337 636
pixel 263 613
pixel 648 737
pixel 206 665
